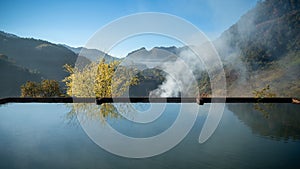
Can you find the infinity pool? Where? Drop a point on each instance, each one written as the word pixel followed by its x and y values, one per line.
pixel 248 136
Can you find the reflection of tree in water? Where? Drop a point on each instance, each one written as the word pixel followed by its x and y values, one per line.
pixel 263 108
pixel 283 121
pixel 91 111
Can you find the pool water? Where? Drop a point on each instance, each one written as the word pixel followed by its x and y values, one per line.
pixel 248 136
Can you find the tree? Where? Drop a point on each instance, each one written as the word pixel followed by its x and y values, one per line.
pixel 264 92
pixel 100 80
pixel 50 88
pixel 47 88
pixel 30 89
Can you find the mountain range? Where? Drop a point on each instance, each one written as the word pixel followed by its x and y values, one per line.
pixel 262 48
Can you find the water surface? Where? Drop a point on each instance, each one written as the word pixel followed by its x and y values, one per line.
pixel 49 136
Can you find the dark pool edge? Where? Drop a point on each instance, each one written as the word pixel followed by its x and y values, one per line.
pixel 198 100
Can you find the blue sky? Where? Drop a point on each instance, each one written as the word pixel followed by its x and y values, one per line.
pixel 73 22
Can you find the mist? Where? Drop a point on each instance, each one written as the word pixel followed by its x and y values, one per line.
pixel 182 75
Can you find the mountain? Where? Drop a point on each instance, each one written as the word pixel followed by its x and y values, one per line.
pixel 152 58
pixel 13 76
pixel 37 55
pixel 92 54
pixel 262 48
pixel 26 59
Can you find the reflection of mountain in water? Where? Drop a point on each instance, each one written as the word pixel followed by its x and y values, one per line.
pixel 282 122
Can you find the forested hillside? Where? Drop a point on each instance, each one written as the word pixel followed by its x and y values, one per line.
pixel 263 47
pixel 13 76
pixel 28 59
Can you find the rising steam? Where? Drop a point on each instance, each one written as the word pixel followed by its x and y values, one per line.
pixel 181 76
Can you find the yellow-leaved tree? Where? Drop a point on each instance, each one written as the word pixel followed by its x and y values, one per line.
pixel 264 108
pixel 98 80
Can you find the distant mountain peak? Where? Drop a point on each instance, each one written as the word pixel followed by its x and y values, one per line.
pixel 91 54
pixel 8 35
pixel 137 50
